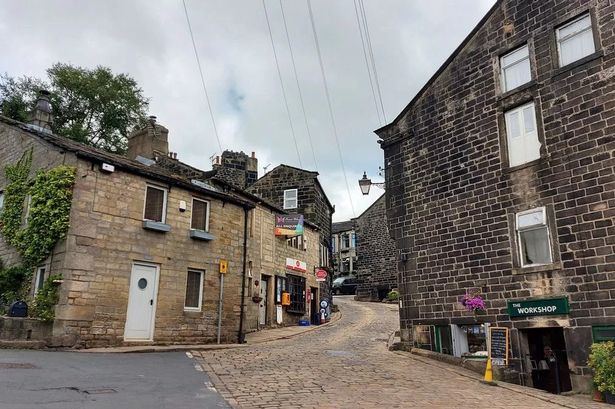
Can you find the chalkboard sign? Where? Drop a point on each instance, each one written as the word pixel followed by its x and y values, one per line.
pixel 498 345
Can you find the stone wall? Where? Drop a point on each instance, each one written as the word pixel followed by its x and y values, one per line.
pixel 451 198
pixel 376 254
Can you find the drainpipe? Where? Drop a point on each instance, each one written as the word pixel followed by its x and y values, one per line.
pixel 241 336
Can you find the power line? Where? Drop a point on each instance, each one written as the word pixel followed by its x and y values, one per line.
pixel 369 72
pixel 277 64
pixel 324 80
pixel 198 62
pixel 371 54
pixel 292 58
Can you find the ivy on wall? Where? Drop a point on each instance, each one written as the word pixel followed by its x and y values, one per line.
pixel 46 299
pixel 15 195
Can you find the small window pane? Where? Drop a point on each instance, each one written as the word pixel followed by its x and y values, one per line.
pixel 199 215
pixel 575 27
pixel 515 69
pixel 40 278
pixel 1 200
pixel 577 47
pixel 154 204
pixel 531 219
pixel 535 246
pixel 513 125
pixel 193 289
pixel 515 56
pixel 528 119
pixel 290 199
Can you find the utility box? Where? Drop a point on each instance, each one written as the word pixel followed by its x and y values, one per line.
pixel 18 309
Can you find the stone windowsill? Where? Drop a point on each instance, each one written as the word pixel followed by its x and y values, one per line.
pixel 156 226
pixel 578 63
pixel 201 235
pixel 537 269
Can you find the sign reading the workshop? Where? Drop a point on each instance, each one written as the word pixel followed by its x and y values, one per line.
pixel 546 306
pixel 296 265
pixel 288 225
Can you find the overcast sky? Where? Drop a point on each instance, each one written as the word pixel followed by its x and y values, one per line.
pixel 150 41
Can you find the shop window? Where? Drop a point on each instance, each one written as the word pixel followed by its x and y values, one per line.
pixel 522 135
pixel 603 333
pixel 280 287
pixel 194 290
pixel 155 204
pixel 296 288
pixel 533 237
pixel 200 215
pixel 515 68
pixel 575 40
pixel 290 199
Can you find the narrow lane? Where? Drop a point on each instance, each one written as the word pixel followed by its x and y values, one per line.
pixel 347 365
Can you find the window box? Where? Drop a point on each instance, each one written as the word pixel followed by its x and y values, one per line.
pixel 201 235
pixel 156 226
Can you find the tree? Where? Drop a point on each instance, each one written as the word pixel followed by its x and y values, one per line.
pixel 92 106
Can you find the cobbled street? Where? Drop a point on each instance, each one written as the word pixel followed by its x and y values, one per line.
pixel 347 365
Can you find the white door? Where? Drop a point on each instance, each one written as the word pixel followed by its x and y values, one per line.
pixel 141 303
pixel 263 304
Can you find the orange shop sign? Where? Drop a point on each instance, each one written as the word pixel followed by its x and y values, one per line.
pixel 296 265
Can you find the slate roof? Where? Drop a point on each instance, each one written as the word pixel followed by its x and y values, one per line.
pixel 339 227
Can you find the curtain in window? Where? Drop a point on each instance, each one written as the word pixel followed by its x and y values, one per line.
pixel 199 215
pixel 154 204
pixel 193 289
pixel 535 244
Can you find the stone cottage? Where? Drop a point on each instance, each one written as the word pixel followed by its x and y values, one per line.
pixel 501 185
pixel 343 248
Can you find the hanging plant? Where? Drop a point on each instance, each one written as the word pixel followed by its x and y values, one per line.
pixel 473 302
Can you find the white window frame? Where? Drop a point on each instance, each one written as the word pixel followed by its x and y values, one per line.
pixel 295 199
pixel 202 274
pixel 559 40
pixel 1 200
pixel 206 216
pixel 503 67
pixel 519 230
pixel 164 201
pixel 525 140
pixel 40 271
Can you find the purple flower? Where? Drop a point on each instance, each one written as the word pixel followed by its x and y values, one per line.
pixel 473 303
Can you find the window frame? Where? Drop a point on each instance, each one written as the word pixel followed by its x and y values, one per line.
pixel 296 306
pixel 518 231
pixel 296 199
pixel 559 40
pixel 201 282
pixel 1 200
pixel 165 199
pixel 503 68
pixel 507 113
pixel 281 286
pixel 207 213
pixel 39 278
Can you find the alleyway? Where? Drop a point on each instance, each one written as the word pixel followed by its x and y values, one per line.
pixel 347 365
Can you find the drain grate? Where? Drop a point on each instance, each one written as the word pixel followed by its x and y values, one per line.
pixel 17 365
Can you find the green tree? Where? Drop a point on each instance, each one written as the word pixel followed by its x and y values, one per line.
pixel 92 106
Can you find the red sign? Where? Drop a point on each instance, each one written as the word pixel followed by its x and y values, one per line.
pixel 321 275
pixel 296 265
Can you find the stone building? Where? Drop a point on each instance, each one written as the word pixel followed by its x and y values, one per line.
pixel 148 238
pixel 376 265
pixel 343 249
pixel 500 184
pixel 299 191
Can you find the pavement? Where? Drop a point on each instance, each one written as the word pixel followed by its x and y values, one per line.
pixel 347 365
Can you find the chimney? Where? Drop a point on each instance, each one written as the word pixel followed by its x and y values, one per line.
pixel 41 117
pixel 149 142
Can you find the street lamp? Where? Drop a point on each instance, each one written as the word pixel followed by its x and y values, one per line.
pixel 365 184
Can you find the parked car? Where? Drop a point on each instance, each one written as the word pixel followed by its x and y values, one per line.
pixel 344 285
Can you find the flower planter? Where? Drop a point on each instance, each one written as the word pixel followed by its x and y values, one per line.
pixel 598 396
pixel 608 398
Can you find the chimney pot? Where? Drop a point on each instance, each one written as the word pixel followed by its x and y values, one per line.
pixel 41 117
pixel 253 154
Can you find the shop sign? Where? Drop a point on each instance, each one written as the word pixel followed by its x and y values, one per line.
pixel 296 265
pixel 551 306
pixel 288 225
pixel 321 274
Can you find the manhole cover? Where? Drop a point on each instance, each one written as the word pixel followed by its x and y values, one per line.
pixel 16 365
pixel 99 391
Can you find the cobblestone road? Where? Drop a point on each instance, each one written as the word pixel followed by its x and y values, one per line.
pixel 347 365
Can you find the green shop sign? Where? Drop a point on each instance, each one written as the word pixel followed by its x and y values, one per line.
pixel 550 306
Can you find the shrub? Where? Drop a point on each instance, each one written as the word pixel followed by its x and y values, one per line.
pixel 12 285
pixel 393 295
pixel 602 362
pixel 46 299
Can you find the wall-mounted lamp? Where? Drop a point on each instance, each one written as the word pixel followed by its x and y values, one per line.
pixel 365 184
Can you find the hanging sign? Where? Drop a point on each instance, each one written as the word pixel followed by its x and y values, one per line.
pixel 296 265
pixel 321 274
pixel 223 266
pixel 288 225
pixel 550 306
pixel 498 345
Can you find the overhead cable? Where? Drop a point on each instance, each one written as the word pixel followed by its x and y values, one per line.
pixel 198 63
pixel 292 58
pixel 277 64
pixel 326 87
pixel 371 54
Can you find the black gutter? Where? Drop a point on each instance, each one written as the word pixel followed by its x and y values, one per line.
pixel 241 336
